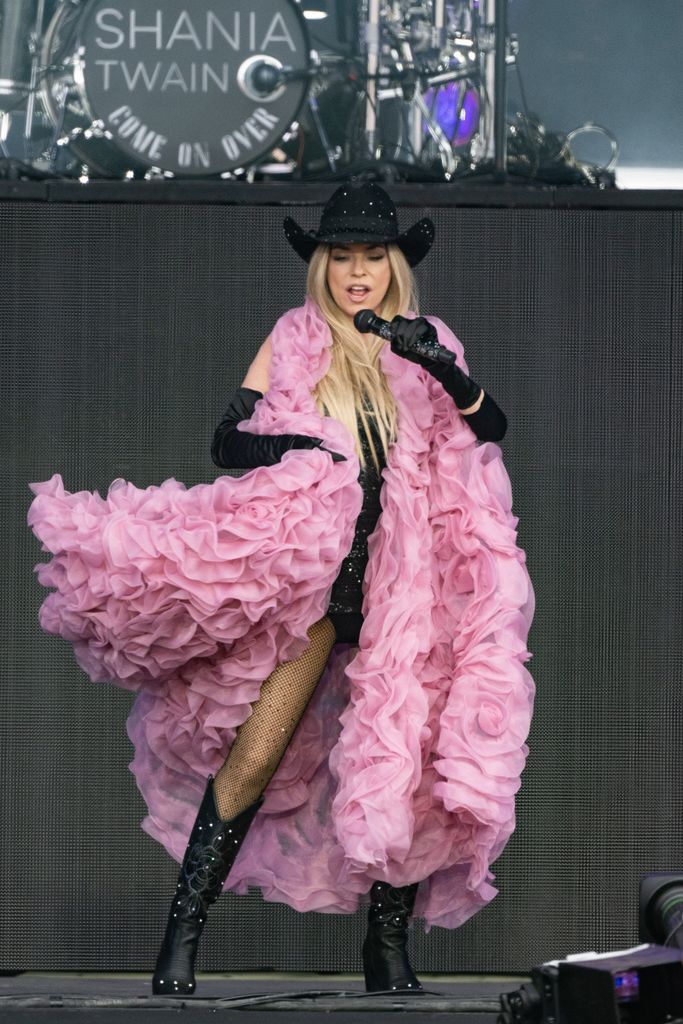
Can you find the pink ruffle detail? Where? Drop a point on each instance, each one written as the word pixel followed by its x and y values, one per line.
pixel 146 581
pixel 408 758
pixel 432 743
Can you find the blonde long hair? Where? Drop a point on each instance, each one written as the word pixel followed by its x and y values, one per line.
pixel 355 389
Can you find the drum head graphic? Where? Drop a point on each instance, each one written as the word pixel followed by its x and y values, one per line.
pixel 195 89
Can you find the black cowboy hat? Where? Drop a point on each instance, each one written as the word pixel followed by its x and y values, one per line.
pixel 361 212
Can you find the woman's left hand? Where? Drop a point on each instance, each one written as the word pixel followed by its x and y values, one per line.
pixel 412 335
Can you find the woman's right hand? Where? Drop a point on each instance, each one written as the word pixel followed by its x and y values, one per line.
pixel 304 441
pixel 240 449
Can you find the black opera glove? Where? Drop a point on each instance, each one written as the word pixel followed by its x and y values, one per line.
pixel 411 336
pixel 239 449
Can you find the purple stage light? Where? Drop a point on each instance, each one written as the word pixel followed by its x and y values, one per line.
pixel 449 106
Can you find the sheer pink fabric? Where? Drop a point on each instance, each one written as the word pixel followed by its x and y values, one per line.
pixel 407 762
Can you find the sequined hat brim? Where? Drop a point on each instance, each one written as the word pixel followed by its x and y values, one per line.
pixel 414 243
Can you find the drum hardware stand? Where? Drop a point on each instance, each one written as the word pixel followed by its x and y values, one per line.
pixel 372 38
pixel 500 91
pixel 59 139
pixel 332 153
pixel 55 99
pixel 4 132
pixel 491 50
pixel 392 20
pixel 498 49
pixel 448 158
pixel 439 36
pixel 420 115
pixel 28 92
pixel 433 37
pixel 153 174
pixel 34 47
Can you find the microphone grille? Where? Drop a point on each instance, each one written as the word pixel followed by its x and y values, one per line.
pixel 363 320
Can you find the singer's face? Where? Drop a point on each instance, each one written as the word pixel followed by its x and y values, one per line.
pixel 358 276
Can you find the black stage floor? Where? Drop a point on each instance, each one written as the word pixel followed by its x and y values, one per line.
pixel 247 999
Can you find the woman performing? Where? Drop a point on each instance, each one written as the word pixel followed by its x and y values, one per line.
pixel 336 640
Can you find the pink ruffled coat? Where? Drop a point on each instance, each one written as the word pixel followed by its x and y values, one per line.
pixel 407 761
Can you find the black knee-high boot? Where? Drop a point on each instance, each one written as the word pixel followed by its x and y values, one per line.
pixel 211 852
pixel 385 960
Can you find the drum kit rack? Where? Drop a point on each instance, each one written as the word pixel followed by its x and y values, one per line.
pixel 254 89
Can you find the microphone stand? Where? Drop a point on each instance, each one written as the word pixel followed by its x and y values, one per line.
pixel 500 92
pixel 372 39
pixel 34 43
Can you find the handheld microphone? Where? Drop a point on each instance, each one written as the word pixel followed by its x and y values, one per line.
pixel 366 322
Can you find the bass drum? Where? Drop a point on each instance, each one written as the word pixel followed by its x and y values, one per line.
pixel 136 85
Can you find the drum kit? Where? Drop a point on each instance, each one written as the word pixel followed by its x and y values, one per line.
pixel 246 89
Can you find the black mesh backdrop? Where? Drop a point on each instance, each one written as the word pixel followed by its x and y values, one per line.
pixel 124 330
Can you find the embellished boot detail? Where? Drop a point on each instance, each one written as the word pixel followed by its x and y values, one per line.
pixel 385 960
pixel 211 852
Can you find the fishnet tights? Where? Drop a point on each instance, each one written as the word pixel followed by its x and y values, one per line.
pixel 261 741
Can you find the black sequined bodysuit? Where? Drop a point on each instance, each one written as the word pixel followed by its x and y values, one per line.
pixel 234 449
pixel 347 594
